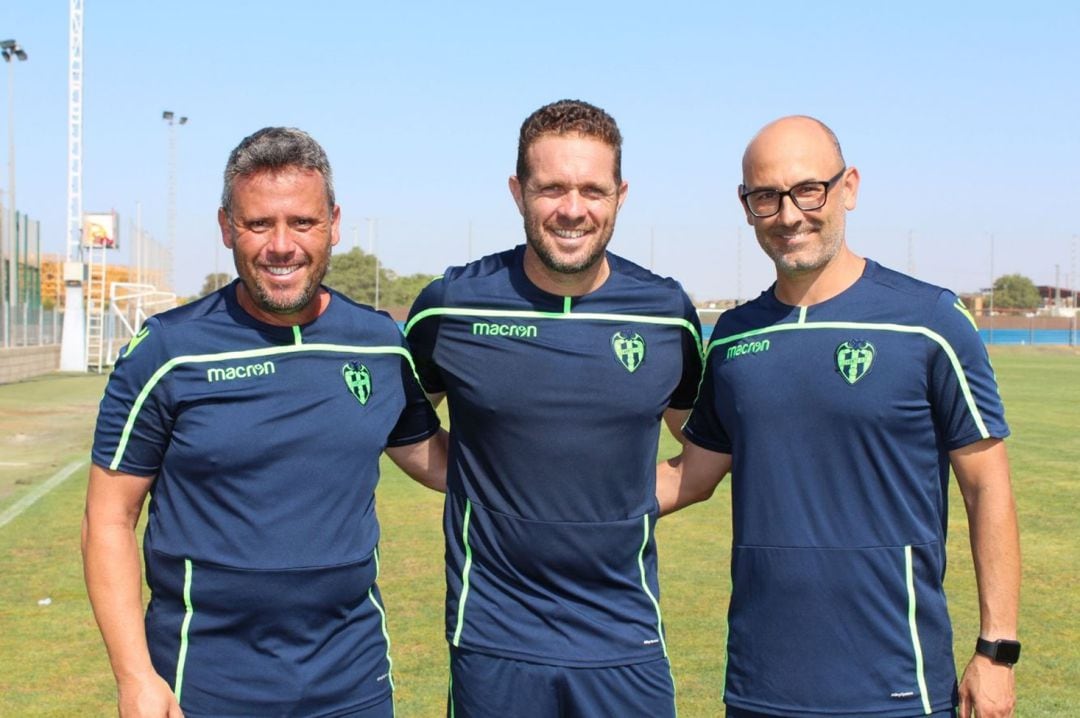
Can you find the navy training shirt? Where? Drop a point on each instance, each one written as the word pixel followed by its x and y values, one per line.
pixel 264 440
pixel 555 411
pixel 839 418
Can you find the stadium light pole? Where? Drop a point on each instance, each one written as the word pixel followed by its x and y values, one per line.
pixel 11 50
pixel 172 120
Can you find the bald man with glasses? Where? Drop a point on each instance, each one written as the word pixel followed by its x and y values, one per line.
pixel 838 400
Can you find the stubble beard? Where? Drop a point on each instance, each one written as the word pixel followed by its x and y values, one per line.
pixel 265 299
pixel 534 237
pixel 795 265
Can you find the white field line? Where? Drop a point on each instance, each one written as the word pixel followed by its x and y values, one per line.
pixel 27 501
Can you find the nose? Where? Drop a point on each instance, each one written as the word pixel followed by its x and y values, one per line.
pixel 280 241
pixel 572 206
pixel 789 213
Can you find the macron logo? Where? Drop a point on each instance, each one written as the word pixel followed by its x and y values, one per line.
pixel 245 371
pixel 514 331
pixel 747 348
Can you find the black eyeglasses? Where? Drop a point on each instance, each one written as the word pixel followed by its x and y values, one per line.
pixel 805 196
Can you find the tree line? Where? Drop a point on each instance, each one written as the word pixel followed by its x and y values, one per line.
pixel 353 274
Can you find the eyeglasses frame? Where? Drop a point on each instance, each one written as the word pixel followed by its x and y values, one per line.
pixel 744 193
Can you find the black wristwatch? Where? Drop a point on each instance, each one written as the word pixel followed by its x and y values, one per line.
pixel 1000 651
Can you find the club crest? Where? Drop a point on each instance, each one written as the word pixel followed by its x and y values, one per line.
pixel 854 359
pixel 629 350
pixel 358 380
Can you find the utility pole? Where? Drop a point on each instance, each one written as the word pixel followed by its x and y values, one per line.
pixel 73 334
pixel 169 118
pixel 138 249
pixel 11 51
pixel 1057 287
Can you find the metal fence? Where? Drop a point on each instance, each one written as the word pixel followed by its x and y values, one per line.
pixel 30 326
pixel 1019 328
pixel 999 329
pixel 40 327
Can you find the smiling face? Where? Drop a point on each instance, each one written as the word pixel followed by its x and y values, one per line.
pixel 569 203
pixel 280 229
pixel 785 154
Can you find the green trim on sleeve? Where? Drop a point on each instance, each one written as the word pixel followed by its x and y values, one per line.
pixel 959 306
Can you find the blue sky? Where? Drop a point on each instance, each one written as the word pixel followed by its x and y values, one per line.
pixel 963 118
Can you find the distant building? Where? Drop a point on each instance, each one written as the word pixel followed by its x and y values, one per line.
pixel 52 285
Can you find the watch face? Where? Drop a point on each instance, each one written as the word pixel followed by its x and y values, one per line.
pixel 1007 652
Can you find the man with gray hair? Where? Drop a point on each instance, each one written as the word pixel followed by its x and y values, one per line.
pixel 255 417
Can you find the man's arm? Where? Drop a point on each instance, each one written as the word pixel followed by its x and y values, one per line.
pixel 675 418
pixel 987 689
pixel 424 461
pixel 690 477
pixel 112 568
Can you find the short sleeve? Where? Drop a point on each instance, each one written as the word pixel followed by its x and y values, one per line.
pixel 964 394
pixel 134 418
pixel 704 426
pixel 422 331
pixel 418 419
pixel 683 396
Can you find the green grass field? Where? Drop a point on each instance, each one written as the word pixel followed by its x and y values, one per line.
pixel 52 662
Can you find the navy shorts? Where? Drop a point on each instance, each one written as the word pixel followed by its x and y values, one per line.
pixel 308 642
pixel 484 686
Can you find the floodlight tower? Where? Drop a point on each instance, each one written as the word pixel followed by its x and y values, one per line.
pixel 172 120
pixel 11 51
pixel 73 338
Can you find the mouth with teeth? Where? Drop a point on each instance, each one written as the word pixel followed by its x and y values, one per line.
pixel 281 271
pixel 568 233
pixel 569 239
pixel 794 237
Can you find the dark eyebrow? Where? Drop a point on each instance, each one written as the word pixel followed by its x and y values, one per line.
pixel 777 189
